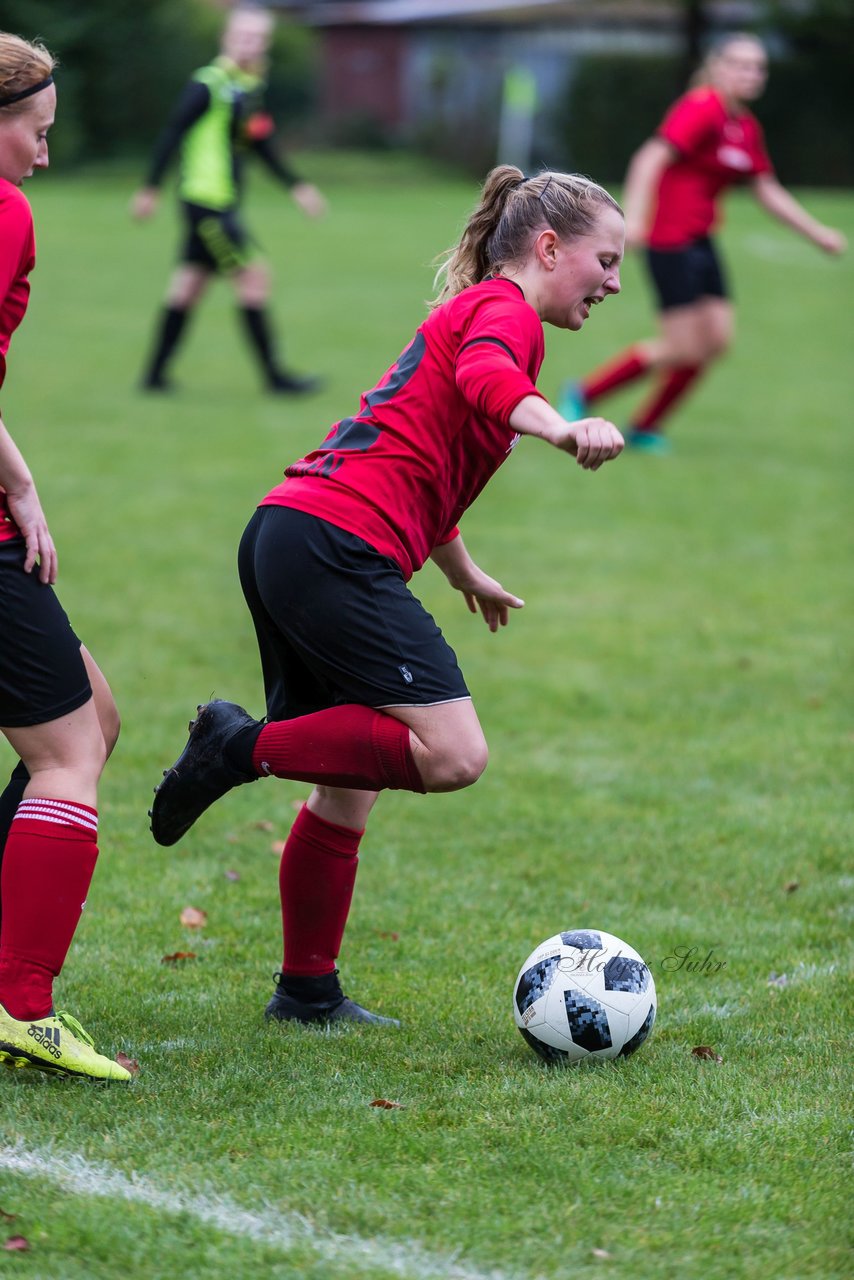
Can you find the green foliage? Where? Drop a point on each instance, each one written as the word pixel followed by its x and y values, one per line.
pixel 123 63
pixel 617 100
pixel 668 718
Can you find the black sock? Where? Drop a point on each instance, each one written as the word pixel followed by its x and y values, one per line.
pixel 259 328
pixel 239 747
pixel 9 801
pixel 172 323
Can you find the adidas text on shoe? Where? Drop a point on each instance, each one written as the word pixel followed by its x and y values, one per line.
pixel 201 774
pixel 57 1045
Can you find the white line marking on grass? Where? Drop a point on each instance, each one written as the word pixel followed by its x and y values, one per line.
pixel 266 1225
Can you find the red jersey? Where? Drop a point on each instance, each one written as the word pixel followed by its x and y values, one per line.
pixel 716 150
pixel 17 259
pixel 431 433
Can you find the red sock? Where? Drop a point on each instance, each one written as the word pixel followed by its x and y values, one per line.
pixel 627 366
pixel 349 746
pixel 316 878
pixel 670 389
pixel 48 863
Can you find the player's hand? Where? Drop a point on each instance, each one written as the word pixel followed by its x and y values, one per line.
pixel 831 240
pixel 26 511
pixel 592 441
pixel 483 594
pixel 309 199
pixel 144 203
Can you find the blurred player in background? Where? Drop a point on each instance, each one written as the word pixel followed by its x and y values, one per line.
pixel 708 141
pixel 56 709
pixel 363 691
pixel 216 122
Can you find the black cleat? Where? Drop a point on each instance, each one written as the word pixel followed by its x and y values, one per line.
pixel 293 384
pixel 157 383
pixel 201 774
pixel 337 1008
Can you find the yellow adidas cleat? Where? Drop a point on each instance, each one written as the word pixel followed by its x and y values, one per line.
pixel 57 1044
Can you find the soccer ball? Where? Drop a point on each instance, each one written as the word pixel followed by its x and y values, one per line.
pixel 584 994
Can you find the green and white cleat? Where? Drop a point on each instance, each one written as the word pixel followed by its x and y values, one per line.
pixel 571 402
pixel 647 441
pixel 56 1044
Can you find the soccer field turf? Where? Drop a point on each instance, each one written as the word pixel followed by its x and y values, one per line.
pixel 670 729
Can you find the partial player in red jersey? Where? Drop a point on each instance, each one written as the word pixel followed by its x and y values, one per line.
pixel 363 692
pixel 708 141
pixel 56 709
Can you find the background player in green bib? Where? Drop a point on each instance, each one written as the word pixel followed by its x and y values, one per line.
pixel 216 122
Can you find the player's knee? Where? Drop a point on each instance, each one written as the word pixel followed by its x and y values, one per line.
pixel 718 345
pixel 454 770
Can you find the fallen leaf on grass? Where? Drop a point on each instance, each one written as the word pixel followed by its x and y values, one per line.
pixel 600 1253
pixel 384 933
pixel 193 918
pixel 232 875
pixel 791 885
pixel 18 1244
pixel 263 825
pixel 129 1064
pixel 706 1051
pixel 7 1217
pixel 385 1104
pixel 178 956
pixel 277 847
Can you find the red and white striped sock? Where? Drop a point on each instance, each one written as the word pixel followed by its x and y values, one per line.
pixel 48 864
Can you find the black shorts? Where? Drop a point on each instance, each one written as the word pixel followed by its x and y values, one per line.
pixel 683 276
pixel 336 622
pixel 216 239
pixel 42 674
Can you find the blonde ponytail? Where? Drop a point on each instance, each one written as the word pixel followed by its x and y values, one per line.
pixel 511 209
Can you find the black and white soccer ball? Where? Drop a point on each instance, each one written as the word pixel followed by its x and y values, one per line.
pixel 584 994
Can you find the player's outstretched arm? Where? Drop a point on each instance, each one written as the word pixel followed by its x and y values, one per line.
pixel 591 441
pixel 481 592
pixel 783 206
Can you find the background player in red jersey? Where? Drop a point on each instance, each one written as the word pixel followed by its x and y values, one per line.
pixel 708 141
pixel 363 692
pixel 56 708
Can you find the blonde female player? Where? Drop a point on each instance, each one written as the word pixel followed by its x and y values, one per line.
pixel 363 691
pixel 708 141
pixel 56 709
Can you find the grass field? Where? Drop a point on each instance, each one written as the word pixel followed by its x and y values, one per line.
pixel 671 737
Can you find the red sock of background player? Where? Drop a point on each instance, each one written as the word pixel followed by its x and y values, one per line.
pixel 628 365
pixel 316 878
pixel 348 746
pixel 48 863
pixel 669 391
